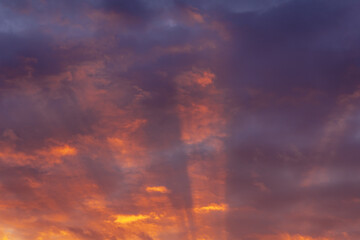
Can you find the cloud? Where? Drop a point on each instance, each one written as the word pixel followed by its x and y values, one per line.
pixel 160 189
pixel 179 120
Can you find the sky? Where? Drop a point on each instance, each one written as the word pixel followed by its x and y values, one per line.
pixel 179 120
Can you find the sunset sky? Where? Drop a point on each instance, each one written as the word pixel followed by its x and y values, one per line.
pixel 179 119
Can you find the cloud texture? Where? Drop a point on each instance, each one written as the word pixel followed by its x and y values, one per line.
pixel 181 120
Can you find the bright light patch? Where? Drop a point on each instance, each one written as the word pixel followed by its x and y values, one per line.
pixel 159 189
pixel 124 219
pixel 65 150
pixel 211 207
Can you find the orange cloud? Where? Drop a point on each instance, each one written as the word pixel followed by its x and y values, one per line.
pixel 201 111
pixel 211 207
pixel 201 117
pixel 300 237
pixel 120 128
pixel 127 151
pixel 160 189
pixel 206 79
pixel 43 156
pixel 4 235
pixel 124 219
pixel 56 234
pixel 287 236
pixel 65 150
pixel 196 16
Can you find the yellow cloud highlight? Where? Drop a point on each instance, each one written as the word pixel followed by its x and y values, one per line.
pixel 211 207
pixel 65 150
pixel 124 219
pixel 159 189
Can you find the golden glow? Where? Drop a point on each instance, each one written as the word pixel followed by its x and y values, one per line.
pixel 65 150
pixel 124 219
pixel 211 207
pixel 56 234
pixel 159 189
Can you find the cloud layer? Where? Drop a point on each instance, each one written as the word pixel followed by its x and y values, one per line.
pixel 182 120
